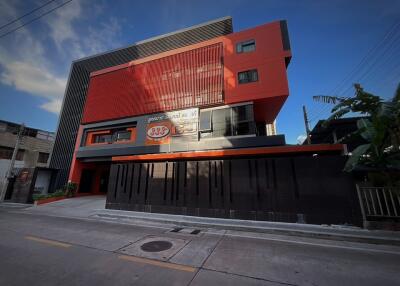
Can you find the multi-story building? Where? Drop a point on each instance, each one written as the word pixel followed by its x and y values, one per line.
pixel 34 149
pixel 177 123
pixel 216 94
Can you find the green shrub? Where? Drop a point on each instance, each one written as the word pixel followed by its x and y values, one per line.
pixel 56 194
pixel 70 189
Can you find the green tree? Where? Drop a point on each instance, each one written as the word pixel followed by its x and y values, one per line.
pixel 380 128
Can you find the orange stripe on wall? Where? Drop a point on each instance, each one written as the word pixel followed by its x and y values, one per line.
pixel 234 152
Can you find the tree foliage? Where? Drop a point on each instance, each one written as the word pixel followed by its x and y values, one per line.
pixel 380 128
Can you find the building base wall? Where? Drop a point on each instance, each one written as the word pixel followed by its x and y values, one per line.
pixel 302 189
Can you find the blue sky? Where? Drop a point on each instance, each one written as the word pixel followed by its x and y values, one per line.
pixel 328 39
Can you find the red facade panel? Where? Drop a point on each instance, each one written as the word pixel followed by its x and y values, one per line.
pixel 188 79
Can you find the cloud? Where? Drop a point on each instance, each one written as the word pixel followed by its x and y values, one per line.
pixel 61 27
pixel 77 43
pixel 36 81
pixel 53 106
pixel 98 39
pixel 301 138
pixel 64 35
pixel 31 79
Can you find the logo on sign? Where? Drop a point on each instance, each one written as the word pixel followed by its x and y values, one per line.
pixel 158 132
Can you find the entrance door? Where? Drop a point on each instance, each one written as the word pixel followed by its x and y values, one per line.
pixel 104 181
pixel 86 183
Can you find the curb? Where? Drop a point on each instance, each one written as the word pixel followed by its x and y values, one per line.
pixel 340 233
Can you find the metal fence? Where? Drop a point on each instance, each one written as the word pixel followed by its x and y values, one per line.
pixel 379 203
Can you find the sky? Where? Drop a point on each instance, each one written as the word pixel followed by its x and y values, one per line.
pixel 334 44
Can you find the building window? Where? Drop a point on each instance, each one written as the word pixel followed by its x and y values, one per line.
pixel 245 47
pixel 205 120
pixel 7 152
pixel 102 138
pixel 116 135
pixel 230 121
pixel 248 76
pixel 43 157
pixel 242 120
pixel 122 135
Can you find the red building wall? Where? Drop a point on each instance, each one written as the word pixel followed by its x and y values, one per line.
pixel 195 76
pixel 183 80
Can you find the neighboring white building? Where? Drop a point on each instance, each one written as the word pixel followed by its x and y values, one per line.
pixel 34 149
pixel 271 128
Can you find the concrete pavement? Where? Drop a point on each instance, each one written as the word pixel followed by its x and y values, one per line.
pixel 93 207
pixel 43 249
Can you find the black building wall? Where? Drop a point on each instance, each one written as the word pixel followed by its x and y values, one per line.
pixel 75 94
pixel 288 189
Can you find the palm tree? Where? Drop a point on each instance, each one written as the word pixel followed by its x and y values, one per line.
pixel 380 128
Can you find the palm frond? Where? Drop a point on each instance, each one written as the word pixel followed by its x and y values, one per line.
pixel 348 138
pixel 338 114
pixel 366 129
pixel 348 102
pixel 356 156
pixel 327 99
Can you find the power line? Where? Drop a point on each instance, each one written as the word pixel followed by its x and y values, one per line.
pixel 359 67
pixel 27 14
pixel 370 51
pixel 34 19
pixel 380 61
pixel 376 62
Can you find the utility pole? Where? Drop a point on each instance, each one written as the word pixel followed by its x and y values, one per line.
pixel 14 156
pixel 306 122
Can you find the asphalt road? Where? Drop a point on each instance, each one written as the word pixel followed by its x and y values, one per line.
pixel 47 250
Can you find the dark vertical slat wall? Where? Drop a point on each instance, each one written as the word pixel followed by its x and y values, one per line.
pixel 289 189
pixel 76 90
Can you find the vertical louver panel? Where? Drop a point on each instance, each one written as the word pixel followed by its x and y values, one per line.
pixel 75 93
pixel 184 80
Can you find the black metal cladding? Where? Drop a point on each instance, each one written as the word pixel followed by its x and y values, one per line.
pixel 289 189
pixel 76 90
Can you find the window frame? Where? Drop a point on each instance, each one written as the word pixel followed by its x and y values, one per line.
pixel 40 155
pixel 240 45
pixel 208 134
pixel 90 136
pixel 209 129
pixel 247 72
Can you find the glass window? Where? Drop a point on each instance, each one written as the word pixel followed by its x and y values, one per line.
pixel 230 121
pixel 122 135
pixel 248 76
pixel 221 121
pixel 20 155
pixel 242 113
pixel 102 138
pixel 242 120
pixel 43 157
pixel 243 128
pixel 205 120
pixel 245 47
pixel 7 152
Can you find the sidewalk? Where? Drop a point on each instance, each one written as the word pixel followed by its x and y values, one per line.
pixel 94 208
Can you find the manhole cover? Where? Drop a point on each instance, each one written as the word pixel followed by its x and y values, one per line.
pixel 156 246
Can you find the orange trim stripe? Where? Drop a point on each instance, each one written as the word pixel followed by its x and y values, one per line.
pixel 234 152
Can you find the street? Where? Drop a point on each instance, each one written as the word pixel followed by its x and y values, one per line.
pixel 39 249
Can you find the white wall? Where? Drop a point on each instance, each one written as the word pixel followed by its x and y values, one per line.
pixel 4 165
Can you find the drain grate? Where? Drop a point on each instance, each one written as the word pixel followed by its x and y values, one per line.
pixel 196 231
pixel 186 230
pixel 156 246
